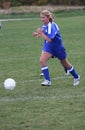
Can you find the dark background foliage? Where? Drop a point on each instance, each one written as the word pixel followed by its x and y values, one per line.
pixel 42 2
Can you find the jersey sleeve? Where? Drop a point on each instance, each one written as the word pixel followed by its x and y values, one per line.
pixel 53 29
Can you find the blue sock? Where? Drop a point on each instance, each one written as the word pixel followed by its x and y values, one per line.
pixel 73 72
pixel 45 71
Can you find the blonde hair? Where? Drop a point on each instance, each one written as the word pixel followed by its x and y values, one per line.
pixel 48 14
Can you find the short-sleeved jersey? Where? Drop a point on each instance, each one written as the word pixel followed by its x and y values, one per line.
pixel 55 47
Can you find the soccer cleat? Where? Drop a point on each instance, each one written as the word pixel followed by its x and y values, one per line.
pixel 67 72
pixel 76 81
pixel 41 74
pixel 46 83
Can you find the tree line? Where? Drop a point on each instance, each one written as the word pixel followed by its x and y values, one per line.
pixel 42 2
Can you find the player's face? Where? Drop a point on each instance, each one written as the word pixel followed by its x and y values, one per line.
pixel 44 19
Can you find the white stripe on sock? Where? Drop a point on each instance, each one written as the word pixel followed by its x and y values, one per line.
pixel 44 68
pixel 71 69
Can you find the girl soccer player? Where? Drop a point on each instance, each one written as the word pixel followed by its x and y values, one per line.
pixel 53 47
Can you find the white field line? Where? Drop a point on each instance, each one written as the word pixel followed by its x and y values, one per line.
pixel 18 19
pixel 9 99
pixel 38 80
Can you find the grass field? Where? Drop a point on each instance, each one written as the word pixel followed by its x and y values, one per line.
pixel 33 107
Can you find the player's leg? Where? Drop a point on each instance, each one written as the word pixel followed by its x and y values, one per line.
pixel 44 68
pixel 65 69
pixel 71 69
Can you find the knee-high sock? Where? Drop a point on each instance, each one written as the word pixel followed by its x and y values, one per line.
pixel 73 72
pixel 45 71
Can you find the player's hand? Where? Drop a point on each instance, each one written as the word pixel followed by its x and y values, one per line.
pixel 34 34
pixel 39 30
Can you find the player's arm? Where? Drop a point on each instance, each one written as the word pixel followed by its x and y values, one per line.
pixel 45 37
pixel 40 31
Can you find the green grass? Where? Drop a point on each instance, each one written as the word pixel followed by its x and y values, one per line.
pixel 30 106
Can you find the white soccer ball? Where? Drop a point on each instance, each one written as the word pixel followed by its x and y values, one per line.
pixel 9 84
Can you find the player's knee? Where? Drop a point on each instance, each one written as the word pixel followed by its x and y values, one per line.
pixel 42 62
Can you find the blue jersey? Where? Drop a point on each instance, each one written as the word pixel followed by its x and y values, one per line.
pixel 55 47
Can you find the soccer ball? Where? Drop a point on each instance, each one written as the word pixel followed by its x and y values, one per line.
pixel 9 84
